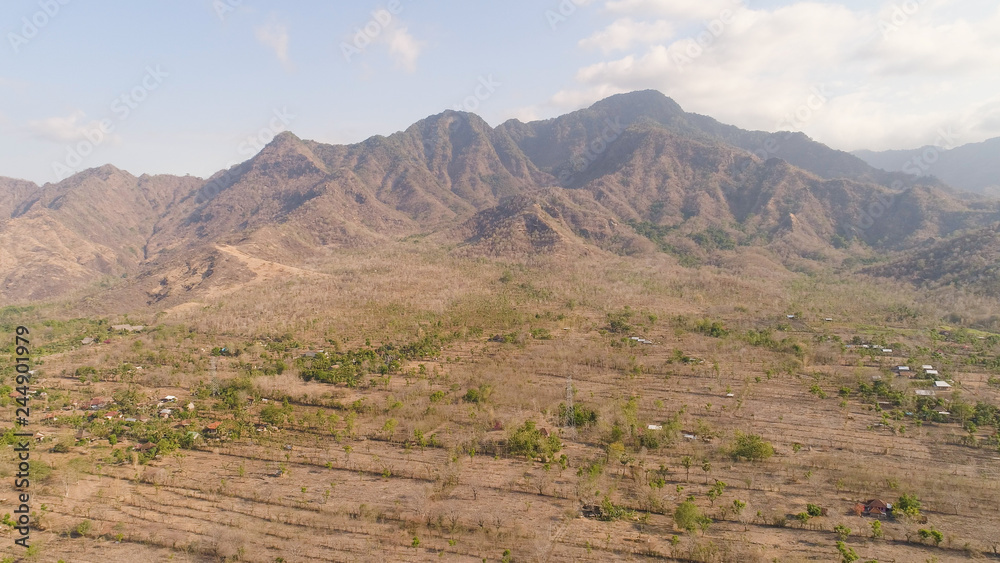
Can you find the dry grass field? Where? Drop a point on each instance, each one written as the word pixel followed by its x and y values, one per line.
pixel 459 448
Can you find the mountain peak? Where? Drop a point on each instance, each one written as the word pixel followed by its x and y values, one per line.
pixel 102 173
pixel 288 147
pixel 640 101
pixel 448 118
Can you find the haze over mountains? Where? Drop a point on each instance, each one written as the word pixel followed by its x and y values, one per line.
pixel 974 167
pixel 632 174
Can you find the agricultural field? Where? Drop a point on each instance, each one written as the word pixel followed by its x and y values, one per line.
pixel 417 405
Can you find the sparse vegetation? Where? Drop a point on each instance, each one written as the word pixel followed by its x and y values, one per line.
pixel 447 384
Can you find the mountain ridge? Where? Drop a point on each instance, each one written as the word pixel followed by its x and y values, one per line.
pixel 974 167
pixel 633 173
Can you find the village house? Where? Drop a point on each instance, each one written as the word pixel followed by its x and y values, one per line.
pixel 875 508
pixel 98 403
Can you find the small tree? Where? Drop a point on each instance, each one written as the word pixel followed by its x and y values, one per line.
pixel 876 529
pixel 83 528
pixel 752 447
pixel 686 463
pixel 932 534
pixel 716 491
pixel 688 517
pixel 847 555
pixel 907 505
pixel 843 532
pixel 529 442
pixel 390 427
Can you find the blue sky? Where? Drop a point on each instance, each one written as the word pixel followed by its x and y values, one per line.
pixel 202 78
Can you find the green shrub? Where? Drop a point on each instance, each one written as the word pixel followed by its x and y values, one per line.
pixel 528 441
pixel 689 517
pixel 60 448
pixel 711 328
pixel 907 505
pixel 581 415
pixel 618 323
pixel 609 511
pixel 847 555
pixel 83 528
pixel 752 447
pixel 478 395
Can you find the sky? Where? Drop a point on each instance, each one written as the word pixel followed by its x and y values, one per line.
pixel 195 86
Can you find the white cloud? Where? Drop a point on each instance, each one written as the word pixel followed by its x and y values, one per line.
pixel 676 9
pixel 890 79
pixel 275 36
pixel 69 129
pixel 403 47
pixel 626 32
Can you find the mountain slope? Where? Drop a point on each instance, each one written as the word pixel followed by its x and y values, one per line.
pixel 971 261
pixel 555 145
pixel 15 197
pixel 633 173
pixel 92 225
pixel 974 167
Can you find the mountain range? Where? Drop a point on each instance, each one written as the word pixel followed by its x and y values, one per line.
pixel 632 174
pixel 974 167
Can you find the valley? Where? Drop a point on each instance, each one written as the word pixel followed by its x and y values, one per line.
pixel 468 343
